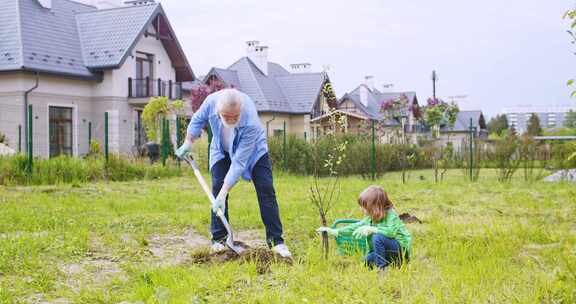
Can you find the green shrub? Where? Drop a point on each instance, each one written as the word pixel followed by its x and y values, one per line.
pixel 561 155
pixel 64 169
pixel 94 148
pixel 300 155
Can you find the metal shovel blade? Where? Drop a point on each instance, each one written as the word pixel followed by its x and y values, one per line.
pixel 219 213
pixel 230 237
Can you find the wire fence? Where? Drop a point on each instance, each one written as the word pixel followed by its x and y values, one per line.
pixel 51 129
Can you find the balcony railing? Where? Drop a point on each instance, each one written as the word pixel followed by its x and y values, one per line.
pixel 148 87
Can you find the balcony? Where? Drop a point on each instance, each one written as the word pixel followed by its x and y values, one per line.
pixel 148 87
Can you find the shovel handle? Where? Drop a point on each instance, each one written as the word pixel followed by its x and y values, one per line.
pixel 202 182
pixel 219 212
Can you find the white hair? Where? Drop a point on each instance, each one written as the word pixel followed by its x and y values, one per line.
pixel 228 98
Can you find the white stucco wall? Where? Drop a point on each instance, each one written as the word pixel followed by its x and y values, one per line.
pixel 115 82
pixel 89 99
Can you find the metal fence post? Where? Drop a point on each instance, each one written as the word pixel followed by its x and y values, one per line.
pixel 106 152
pixel 19 138
pixel 284 148
pixel 305 136
pixel 178 139
pixel 373 150
pixel 164 141
pixel 89 134
pixel 471 128
pixel 30 141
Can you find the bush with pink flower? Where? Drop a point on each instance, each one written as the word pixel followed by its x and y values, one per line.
pixel 438 113
pixel 199 93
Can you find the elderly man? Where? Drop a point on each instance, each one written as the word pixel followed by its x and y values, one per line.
pixel 238 149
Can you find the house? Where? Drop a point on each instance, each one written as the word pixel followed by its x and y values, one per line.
pixel 363 105
pixel 549 116
pixel 284 99
pixel 74 62
pixel 460 132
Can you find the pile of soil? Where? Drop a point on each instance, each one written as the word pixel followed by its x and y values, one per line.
pixel 261 256
pixel 407 218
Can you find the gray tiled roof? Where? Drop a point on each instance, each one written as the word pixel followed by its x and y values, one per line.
pixel 302 90
pixel 462 122
pixel 11 43
pixel 107 35
pixel 228 76
pixel 69 38
pixel 279 91
pixel 47 39
pixel 375 100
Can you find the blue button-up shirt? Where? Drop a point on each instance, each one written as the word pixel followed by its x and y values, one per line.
pixel 248 142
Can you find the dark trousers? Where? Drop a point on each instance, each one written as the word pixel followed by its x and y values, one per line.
pixel 386 251
pixel 263 183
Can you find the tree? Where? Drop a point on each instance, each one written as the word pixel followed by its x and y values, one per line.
pixel 155 110
pixel 498 125
pixel 325 191
pixel 570 120
pixel 199 93
pixel 534 128
pixel 571 16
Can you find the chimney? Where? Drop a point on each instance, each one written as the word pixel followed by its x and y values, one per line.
pixel 301 68
pixel 103 4
pixel 251 47
pixel 369 82
pixel 137 2
pixel 258 55
pixel 387 87
pixel 46 3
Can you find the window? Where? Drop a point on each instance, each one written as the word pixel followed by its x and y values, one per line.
pixel 60 131
pixel 139 133
pixel 144 70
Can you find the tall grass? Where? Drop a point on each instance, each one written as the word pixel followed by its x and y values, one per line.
pixel 64 169
pixel 483 242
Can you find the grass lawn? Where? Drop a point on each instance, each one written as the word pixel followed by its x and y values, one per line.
pixel 112 242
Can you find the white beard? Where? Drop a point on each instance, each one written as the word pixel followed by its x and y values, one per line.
pixel 227 125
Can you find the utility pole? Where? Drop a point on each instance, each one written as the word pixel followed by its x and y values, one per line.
pixel 434 80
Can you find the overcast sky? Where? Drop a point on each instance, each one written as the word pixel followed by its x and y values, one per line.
pixel 498 53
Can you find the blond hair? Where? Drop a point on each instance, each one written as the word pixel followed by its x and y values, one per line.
pixel 375 201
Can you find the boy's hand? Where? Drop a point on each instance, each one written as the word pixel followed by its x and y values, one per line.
pixel 330 231
pixel 364 231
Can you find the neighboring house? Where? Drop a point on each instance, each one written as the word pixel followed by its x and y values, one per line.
pixel 363 104
pixel 549 116
pixel 282 97
pixel 86 61
pixel 460 132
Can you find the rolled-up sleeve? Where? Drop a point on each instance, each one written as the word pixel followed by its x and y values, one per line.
pixel 246 146
pixel 199 119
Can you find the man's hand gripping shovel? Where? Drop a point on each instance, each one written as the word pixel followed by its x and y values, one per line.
pixel 219 212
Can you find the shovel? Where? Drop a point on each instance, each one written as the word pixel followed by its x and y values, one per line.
pixel 219 213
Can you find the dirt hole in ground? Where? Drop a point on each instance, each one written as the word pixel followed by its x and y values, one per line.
pixel 408 218
pixel 261 256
